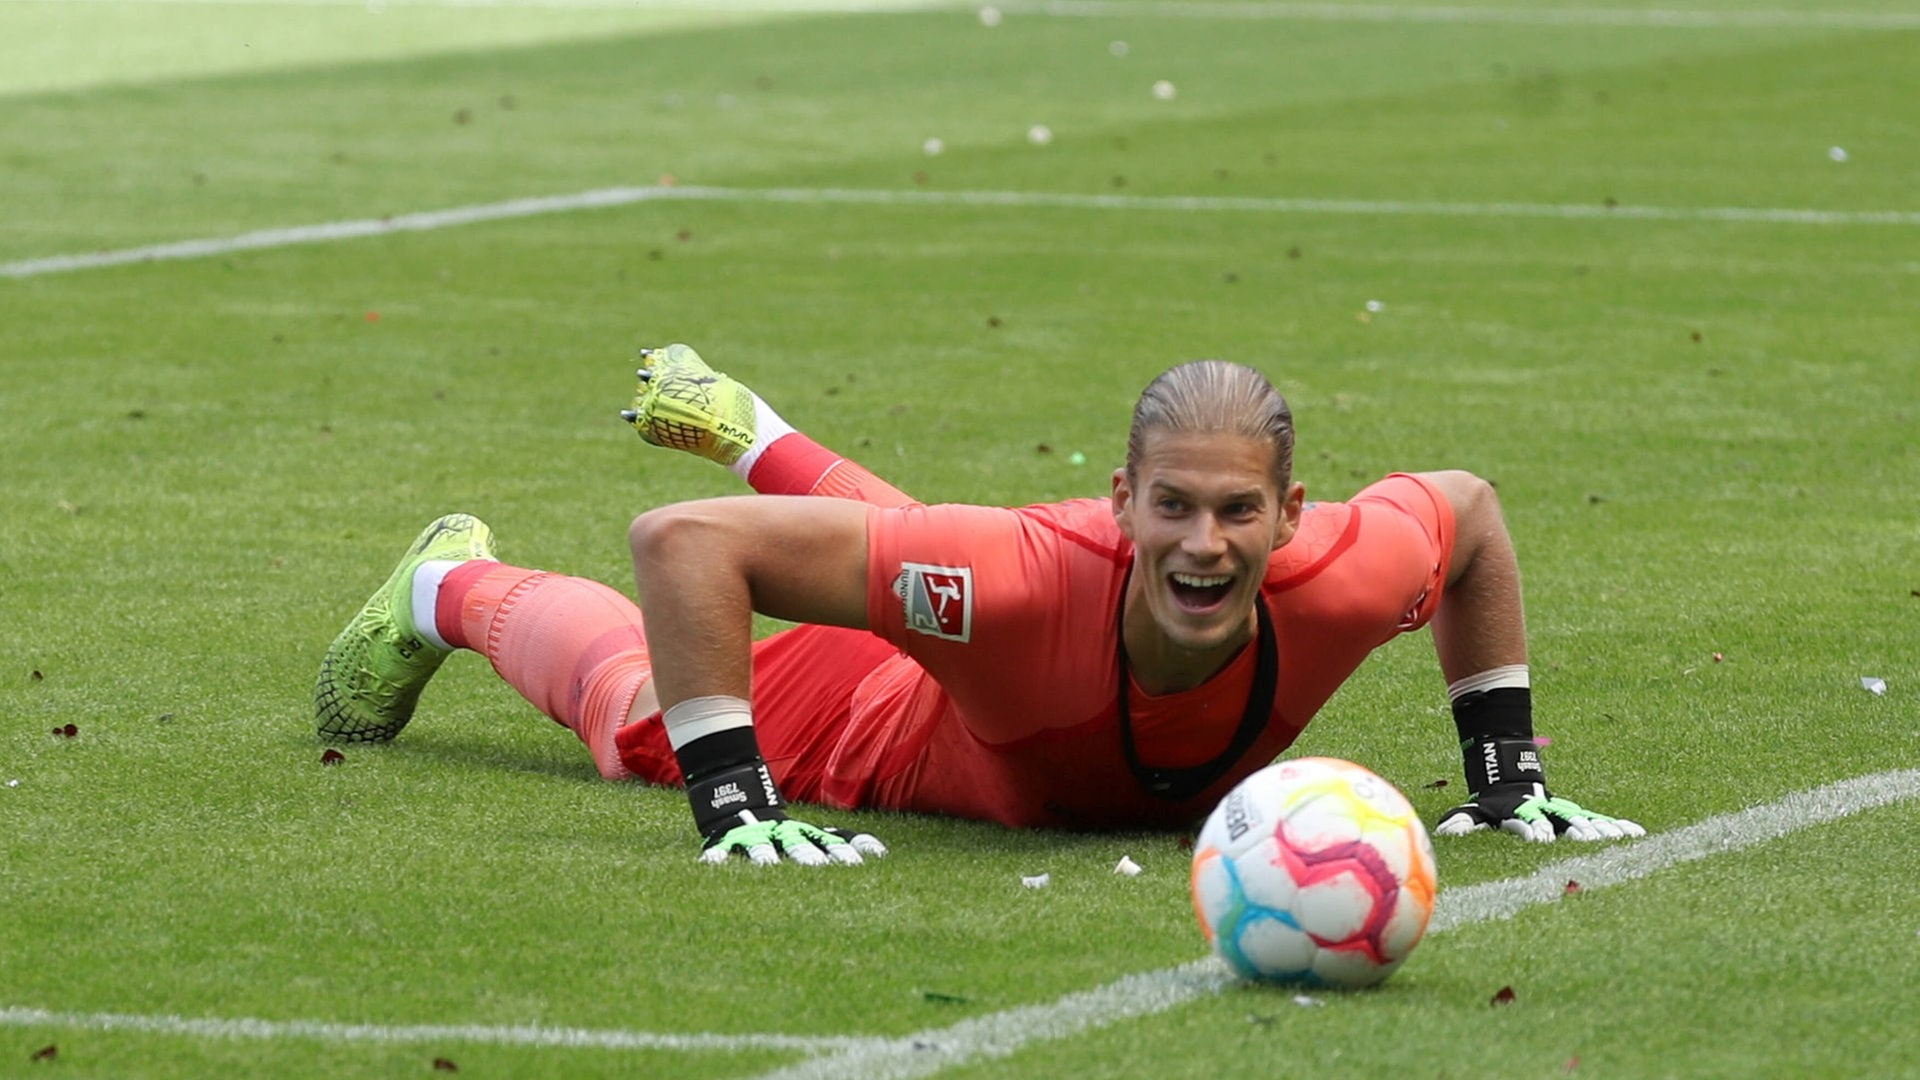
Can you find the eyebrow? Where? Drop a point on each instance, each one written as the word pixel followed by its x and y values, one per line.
pixel 1247 495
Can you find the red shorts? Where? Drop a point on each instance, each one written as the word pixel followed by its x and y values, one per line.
pixel 804 683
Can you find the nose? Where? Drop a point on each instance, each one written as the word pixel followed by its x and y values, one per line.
pixel 1204 538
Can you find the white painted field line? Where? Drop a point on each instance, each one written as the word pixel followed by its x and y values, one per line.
pixel 1001 1034
pixel 519 1035
pixel 1614 864
pixel 622 196
pixel 425 221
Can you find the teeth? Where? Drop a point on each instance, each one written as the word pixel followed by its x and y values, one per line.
pixel 1197 581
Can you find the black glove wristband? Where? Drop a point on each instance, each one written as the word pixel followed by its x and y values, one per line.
pixel 1502 711
pixel 1496 738
pixel 1492 760
pixel 725 776
pixel 718 800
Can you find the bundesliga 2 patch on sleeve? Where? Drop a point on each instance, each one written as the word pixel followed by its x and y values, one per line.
pixel 938 600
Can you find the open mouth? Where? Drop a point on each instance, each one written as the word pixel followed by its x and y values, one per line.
pixel 1199 592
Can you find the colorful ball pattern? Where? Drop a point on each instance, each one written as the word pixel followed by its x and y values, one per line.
pixel 1314 872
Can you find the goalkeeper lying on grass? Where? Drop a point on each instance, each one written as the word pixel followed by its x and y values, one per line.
pixel 1113 662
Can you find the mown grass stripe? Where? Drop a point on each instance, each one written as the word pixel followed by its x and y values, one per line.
pixel 1248 10
pixel 1001 1034
pixel 1657 18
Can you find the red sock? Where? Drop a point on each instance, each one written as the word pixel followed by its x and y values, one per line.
pixel 574 648
pixel 796 465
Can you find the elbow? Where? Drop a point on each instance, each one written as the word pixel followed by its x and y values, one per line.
pixel 1472 498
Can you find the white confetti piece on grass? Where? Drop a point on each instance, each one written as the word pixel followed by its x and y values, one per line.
pixel 1038 881
pixel 1868 682
pixel 1127 866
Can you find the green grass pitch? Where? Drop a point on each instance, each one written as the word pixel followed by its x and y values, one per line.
pixel 1699 407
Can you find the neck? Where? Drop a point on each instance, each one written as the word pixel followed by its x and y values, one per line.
pixel 1162 666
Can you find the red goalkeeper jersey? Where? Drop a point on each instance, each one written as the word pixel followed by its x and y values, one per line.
pixel 988 685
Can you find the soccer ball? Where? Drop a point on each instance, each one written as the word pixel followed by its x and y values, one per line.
pixel 1316 872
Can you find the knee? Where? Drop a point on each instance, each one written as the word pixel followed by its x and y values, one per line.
pixel 643 536
pixel 655 535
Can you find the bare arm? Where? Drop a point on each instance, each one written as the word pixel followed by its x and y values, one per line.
pixel 703 568
pixel 1480 624
pixel 1479 627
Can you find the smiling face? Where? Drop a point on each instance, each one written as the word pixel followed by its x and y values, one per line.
pixel 1204 511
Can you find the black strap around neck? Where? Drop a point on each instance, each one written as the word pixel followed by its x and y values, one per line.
pixel 1179 785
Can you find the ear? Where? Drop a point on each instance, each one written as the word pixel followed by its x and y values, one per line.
pixel 1123 503
pixel 1291 505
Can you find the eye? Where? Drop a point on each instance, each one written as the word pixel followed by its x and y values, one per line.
pixel 1170 506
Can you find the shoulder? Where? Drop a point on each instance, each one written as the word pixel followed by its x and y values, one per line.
pixel 1086 524
pixel 1327 530
pixel 1384 552
pixel 1402 518
pixel 956 573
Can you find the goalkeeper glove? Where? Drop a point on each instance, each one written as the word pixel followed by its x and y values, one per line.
pixel 763 842
pixel 737 808
pixel 1522 806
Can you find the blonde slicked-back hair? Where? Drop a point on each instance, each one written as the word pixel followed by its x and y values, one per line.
pixel 1209 397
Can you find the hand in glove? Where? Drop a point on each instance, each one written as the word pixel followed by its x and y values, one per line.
pixel 764 841
pixel 1531 813
pixel 737 808
pixel 1509 787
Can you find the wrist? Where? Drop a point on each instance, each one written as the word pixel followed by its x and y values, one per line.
pixel 1493 712
pixel 1497 703
pixel 721 800
pixel 720 759
pixel 1493 760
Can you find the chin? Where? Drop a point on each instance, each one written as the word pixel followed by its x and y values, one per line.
pixel 1189 638
pixel 1222 629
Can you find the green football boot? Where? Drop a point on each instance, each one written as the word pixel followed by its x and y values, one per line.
pixel 375 670
pixel 683 404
